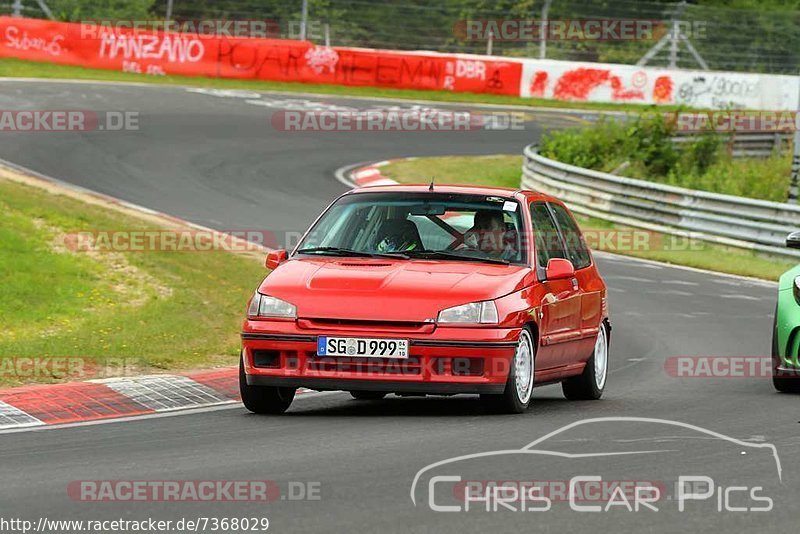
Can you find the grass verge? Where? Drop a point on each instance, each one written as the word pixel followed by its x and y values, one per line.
pixel 500 170
pixel 148 311
pixel 30 69
pixel 504 171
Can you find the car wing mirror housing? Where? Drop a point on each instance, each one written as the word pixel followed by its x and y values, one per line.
pixel 560 269
pixel 793 240
pixel 275 258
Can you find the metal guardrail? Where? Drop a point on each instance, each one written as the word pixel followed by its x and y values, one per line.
pixel 749 145
pixel 751 224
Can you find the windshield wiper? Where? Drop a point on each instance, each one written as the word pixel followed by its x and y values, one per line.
pixel 337 251
pixel 453 256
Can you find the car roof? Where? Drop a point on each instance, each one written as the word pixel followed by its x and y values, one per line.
pixel 456 189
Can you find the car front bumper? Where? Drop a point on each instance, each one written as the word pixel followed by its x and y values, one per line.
pixel 787 332
pixel 445 360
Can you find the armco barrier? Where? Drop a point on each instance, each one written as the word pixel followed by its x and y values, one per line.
pixel 729 220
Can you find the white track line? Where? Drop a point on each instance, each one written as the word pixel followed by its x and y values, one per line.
pixel 520 107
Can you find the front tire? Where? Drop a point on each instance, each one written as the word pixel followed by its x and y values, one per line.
pixel 592 382
pixel 519 387
pixel 263 399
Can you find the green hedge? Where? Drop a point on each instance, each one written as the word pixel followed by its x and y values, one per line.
pixel 641 148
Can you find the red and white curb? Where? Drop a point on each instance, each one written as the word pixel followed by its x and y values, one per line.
pixel 366 175
pixel 76 402
pixel 114 398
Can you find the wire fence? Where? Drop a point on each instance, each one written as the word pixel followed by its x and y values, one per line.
pixel 723 38
pixel 25 8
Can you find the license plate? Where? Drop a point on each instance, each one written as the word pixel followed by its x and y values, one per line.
pixel 362 347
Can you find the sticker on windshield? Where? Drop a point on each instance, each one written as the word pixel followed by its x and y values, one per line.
pixel 510 205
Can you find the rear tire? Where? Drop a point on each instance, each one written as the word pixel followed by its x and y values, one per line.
pixel 516 398
pixel 784 384
pixel 263 399
pixel 368 395
pixel 592 382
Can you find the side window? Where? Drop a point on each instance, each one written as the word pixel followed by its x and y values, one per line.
pixel 548 241
pixel 576 246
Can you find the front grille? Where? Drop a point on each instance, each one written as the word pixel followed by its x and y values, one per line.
pixel 458 366
pixel 355 325
pixel 367 323
pixel 388 366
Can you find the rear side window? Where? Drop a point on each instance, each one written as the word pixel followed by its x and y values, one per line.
pixel 577 251
pixel 548 240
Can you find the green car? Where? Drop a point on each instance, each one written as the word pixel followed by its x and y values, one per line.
pixel 786 334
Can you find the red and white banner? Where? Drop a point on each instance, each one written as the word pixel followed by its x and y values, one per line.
pixel 188 54
pixel 600 82
pixel 153 52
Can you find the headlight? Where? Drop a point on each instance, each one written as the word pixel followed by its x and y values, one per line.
pixel 266 306
pixel 796 288
pixel 472 313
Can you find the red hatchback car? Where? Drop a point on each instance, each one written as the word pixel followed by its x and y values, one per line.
pixel 420 290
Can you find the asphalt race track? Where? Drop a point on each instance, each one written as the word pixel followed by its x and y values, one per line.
pixel 217 161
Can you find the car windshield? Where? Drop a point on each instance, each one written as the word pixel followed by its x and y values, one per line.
pixel 465 227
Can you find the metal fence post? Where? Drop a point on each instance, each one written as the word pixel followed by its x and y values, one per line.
pixel 17 8
pixel 45 9
pixel 168 15
pixel 673 45
pixel 543 30
pixel 489 44
pixel 304 20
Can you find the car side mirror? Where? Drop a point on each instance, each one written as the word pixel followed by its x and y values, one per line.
pixel 793 240
pixel 275 258
pixel 560 269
